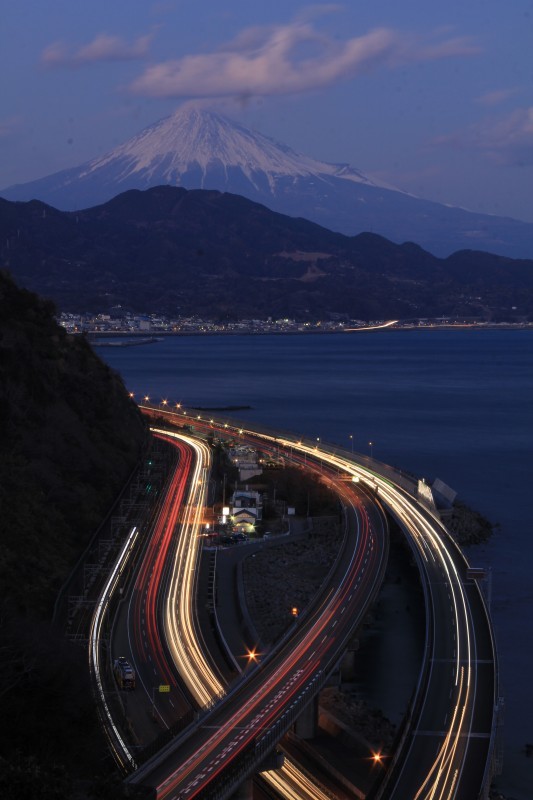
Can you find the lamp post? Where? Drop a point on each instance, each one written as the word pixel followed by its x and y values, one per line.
pixel 351 441
pixel 371 445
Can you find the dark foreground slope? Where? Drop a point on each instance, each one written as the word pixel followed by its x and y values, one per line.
pixel 69 438
pixel 168 250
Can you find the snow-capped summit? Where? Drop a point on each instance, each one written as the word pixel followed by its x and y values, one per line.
pixel 199 149
pixel 194 139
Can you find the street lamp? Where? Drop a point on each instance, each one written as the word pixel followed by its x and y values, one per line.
pixel 371 445
pixel 252 656
pixel 351 441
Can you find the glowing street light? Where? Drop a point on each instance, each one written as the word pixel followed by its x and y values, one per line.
pixel 351 441
pixel 371 445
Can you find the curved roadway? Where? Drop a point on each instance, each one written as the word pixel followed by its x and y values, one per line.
pixel 448 738
pixel 270 697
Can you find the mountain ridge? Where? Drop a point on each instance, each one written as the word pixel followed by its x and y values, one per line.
pixel 198 149
pixel 180 252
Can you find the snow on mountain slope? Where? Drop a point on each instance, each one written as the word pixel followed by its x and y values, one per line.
pixel 196 138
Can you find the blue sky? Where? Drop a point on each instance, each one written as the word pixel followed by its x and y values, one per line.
pixel 436 99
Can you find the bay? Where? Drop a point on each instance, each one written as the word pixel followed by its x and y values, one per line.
pixel 453 404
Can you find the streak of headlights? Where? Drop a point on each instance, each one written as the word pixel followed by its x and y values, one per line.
pixel 179 604
pixel 441 779
pixel 182 637
pixel 117 743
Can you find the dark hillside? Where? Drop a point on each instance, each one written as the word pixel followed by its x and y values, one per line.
pixel 69 438
pixel 178 252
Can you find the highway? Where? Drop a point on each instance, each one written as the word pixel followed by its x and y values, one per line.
pixel 141 620
pixel 139 632
pixel 447 749
pixel 282 684
pixel 445 752
pixel 184 635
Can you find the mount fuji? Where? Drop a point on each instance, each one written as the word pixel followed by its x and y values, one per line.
pixel 199 149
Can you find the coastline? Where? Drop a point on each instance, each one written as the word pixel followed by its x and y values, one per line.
pixel 94 336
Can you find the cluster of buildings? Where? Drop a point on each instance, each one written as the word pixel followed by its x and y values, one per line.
pixel 245 507
pixel 240 517
pixel 121 323
pixel 128 324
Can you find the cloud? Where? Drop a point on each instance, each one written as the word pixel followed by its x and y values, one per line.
pixel 103 47
pixel 496 97
pixel 287 59
pixel 506 140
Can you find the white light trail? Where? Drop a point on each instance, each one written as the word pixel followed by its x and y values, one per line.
pixel 122 752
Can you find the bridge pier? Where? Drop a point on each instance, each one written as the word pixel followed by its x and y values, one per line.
pixel 347 663
pixel 306 725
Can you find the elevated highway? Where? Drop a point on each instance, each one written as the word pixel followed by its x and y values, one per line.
pixel 245 725
pixel 448 737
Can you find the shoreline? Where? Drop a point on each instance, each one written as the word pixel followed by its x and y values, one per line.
pixel 93 337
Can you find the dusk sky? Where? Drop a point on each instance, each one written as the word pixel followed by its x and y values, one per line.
pixel 436 99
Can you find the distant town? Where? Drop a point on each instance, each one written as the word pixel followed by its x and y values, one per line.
pixel 150 325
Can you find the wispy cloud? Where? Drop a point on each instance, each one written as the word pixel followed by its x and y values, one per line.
pixel 496 97
pixel 291 58
pixel 506 140
pixel 104 47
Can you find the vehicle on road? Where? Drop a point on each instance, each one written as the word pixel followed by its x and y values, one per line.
pixel 124 674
